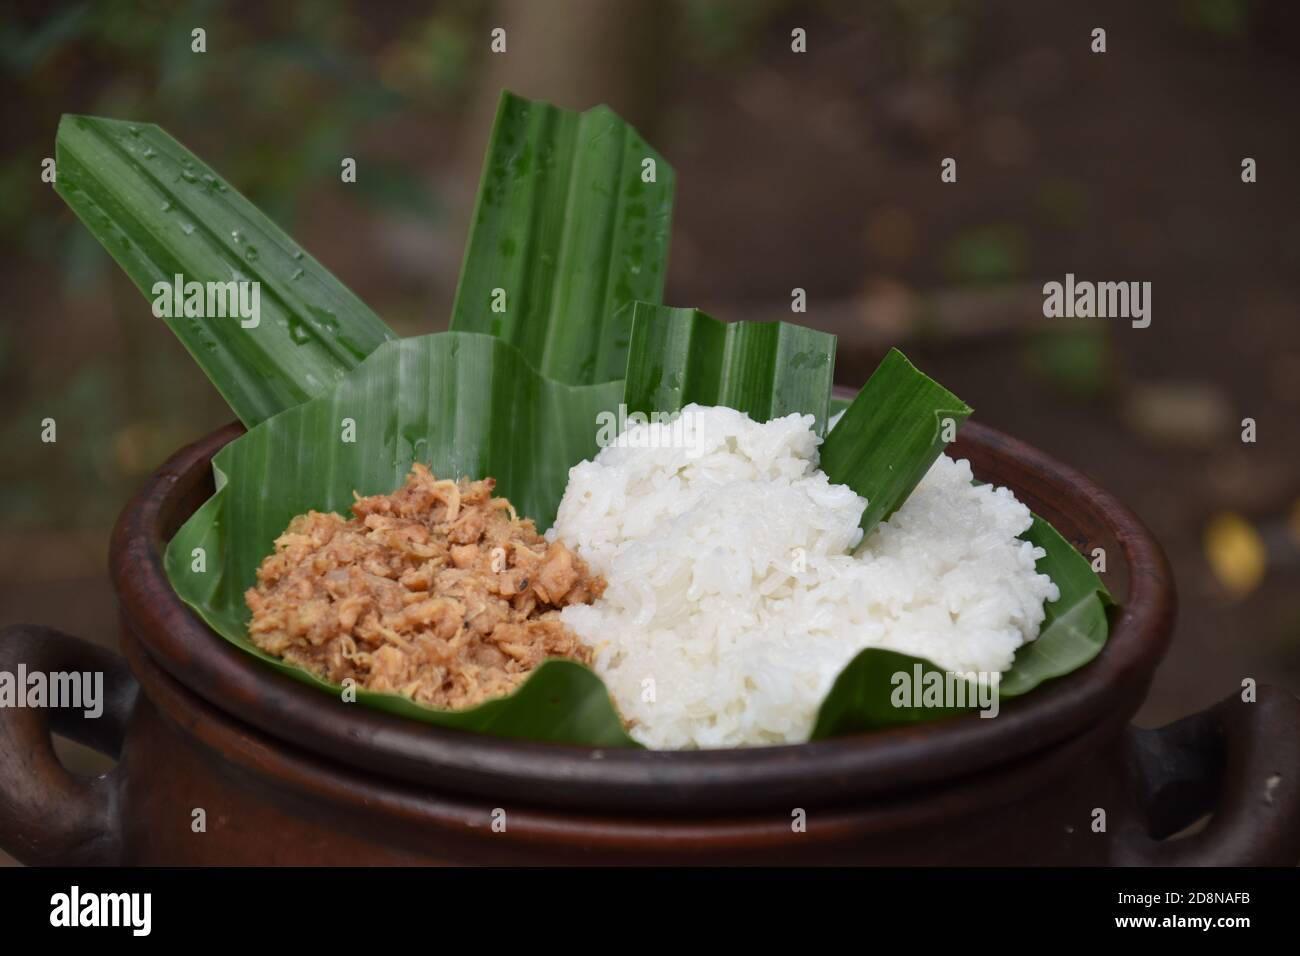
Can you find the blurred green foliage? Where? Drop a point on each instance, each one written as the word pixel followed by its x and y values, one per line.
pixel 1226 19
pixel 724 30
pixel 282 92
pixel 930 35
pixel 1073 362
pixel 987 254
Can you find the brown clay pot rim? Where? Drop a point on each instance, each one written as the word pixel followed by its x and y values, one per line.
pixel 317 781
pixel 828 772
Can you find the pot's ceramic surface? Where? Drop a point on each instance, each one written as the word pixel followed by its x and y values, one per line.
pixel 223 760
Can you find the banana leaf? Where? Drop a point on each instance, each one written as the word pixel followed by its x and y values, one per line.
pixel 414 400
pixel 569 231
pixel 864 695
pixel 1072 634
pixel 1076 624
pixel 765 369
pixel 894 433
pixel 465 405
pixel 161 212
pixel 890 435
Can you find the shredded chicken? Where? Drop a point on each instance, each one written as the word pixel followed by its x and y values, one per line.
pixel 439 592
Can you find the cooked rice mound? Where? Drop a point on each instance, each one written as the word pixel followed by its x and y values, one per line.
pixel 438 592
pixel 739 585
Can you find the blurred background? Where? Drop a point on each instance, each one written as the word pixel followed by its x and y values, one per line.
pixel 818 171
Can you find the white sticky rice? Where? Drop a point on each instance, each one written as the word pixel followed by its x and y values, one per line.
pixel 733 600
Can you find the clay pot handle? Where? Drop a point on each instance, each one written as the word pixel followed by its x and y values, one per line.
pixel 1239 762
pixel 47 815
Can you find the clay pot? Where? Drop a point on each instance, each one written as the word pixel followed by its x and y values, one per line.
pixel 286 774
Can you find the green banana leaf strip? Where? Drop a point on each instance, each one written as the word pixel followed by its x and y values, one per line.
pixel 878 689
pixel 1076 624
pixel 461 403
pixel 566 235
pixel 161 212
pixel 890 435
pixel 1072 634
pixel 765 369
